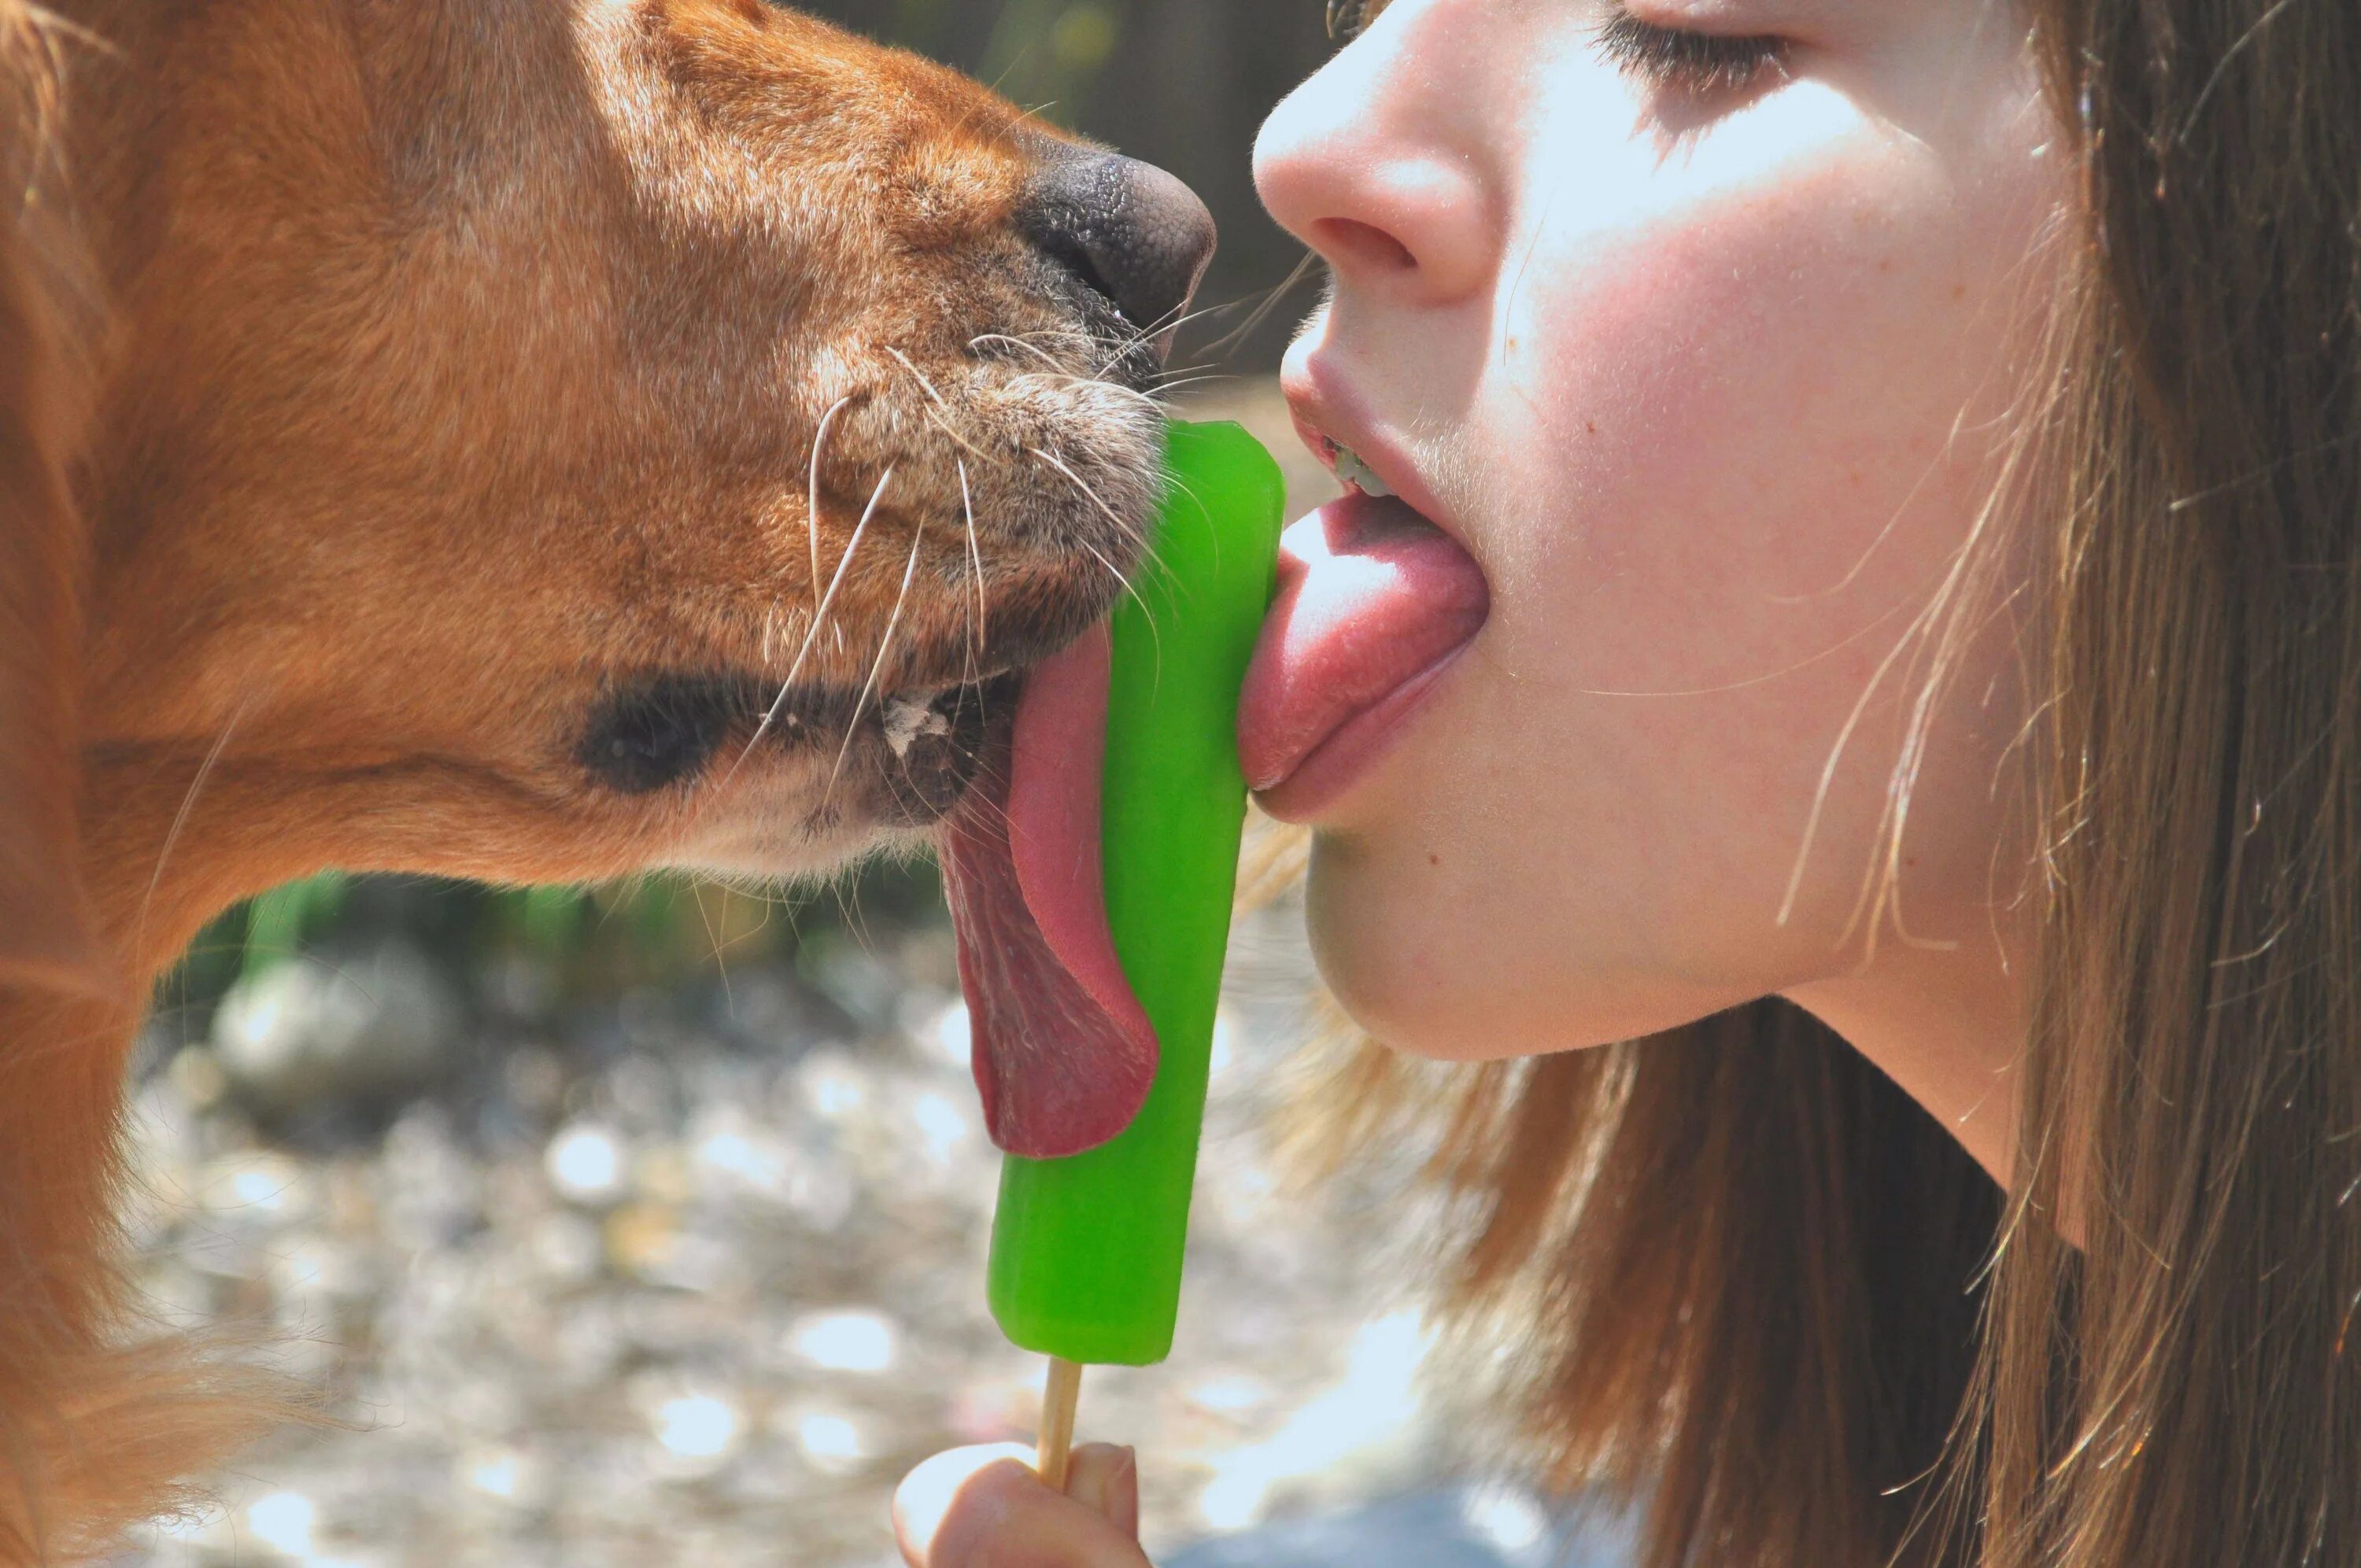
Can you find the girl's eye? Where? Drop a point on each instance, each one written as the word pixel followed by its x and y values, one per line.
pixel 1696 65
pixel 1347 17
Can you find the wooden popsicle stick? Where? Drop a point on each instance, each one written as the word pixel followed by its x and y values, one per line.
pixel 1057 1441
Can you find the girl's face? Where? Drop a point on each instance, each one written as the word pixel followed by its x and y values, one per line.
pixel 1687 327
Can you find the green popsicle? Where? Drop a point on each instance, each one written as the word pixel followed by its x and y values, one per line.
pixel 1086 1249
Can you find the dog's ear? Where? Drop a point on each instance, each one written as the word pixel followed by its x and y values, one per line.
pixel 47 933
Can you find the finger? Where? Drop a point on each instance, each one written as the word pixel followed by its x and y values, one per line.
pixel 984 1507
pixel 1106 1480
pixel 927 1493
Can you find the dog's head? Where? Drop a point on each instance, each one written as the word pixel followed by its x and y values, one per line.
pixel 550 438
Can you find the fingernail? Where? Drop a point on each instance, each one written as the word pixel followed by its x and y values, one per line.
pixel 1106 1480
pixel 1125 1486
pixel 1088 1483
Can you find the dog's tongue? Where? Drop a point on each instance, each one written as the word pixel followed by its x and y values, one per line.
pixel 1063 1052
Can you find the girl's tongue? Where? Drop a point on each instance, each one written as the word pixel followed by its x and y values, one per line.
pixel 1063 1053
pixel 1372 600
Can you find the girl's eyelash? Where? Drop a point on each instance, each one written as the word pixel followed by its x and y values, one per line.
pixel 1696 64
pixel 1665 59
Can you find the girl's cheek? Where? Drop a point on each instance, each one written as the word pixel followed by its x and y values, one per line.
pixel 1735 429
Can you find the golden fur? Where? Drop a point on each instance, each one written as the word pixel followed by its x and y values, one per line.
pixel 386 384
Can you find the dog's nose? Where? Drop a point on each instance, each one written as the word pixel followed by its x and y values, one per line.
pixel 1127 229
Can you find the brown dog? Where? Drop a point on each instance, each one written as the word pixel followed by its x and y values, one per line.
pixel 521 439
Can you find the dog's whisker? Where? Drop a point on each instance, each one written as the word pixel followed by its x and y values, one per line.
pixel 1127 530
pixel 180 818
pixel 1165 391
pixel 1070 377
pixel 1185 318
pixel 976 632
pixel 712 939
pixel 919 376
pixel 1116 573
pixel 884 646
pixel 943 424
pixel 876 499
pixel 1141 336
pixel 1055 335
pixel 811 634
pixel 811 494
pixel 870 511
pixel 1263 307
pixel 1167 385
pixel 991 803
pixel 1146 548
pixel 1033 348
pixel 1102 371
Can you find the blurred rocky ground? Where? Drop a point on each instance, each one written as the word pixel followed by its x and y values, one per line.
pixel 692 1272
pixel 696 1275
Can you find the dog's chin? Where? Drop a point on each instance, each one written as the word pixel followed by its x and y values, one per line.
pixel 797 798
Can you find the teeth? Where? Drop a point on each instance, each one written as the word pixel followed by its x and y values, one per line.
pixel 907 718
pixel 1359 474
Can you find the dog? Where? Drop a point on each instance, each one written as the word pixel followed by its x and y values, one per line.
pixel 524 440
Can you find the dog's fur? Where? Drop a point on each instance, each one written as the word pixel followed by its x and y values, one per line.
pixel 408 412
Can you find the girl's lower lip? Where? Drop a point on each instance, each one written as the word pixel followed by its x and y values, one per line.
pixel 1334 766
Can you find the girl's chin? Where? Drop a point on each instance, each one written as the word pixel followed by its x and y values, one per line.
pixel 1403 989
pixel 1429 980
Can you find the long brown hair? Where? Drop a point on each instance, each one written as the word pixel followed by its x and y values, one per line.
pixel 1753 1285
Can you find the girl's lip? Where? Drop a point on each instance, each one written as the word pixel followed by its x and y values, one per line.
pixel 1327 414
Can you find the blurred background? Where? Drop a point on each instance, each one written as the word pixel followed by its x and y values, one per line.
pixel 645 1223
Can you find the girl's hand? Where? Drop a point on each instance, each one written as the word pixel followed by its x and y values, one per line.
pixel 984 1507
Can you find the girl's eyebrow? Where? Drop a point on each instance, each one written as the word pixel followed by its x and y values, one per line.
pixel 1749 16
pixel 1346 19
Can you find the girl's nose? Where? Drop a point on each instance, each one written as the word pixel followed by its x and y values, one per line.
pixel 1372 164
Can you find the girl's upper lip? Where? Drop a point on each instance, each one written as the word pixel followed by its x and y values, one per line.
pixel 1327 414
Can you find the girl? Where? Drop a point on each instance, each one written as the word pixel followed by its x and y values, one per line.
pixel 1853 592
